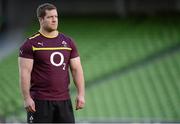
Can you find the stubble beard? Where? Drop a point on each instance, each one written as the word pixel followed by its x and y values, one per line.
pixel 48 29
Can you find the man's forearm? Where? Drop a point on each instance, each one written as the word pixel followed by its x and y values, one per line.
pixel 79 81
pixel 25 85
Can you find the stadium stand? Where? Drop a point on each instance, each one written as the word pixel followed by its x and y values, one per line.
pixel 0 22
pixel 146 92
pixel 131 68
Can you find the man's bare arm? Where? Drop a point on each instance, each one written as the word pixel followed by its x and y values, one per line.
pixel 78 77
pixel 25 68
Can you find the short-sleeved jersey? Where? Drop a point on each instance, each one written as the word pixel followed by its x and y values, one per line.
pixel 50 75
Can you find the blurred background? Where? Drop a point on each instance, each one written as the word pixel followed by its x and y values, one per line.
pixel 130 52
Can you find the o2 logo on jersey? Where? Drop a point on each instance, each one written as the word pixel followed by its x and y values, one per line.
pixel 61 60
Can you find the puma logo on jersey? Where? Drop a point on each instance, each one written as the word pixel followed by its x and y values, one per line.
pixel 40 43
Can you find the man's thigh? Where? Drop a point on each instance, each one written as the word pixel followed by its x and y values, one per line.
pixel 64 112
pixel 43 114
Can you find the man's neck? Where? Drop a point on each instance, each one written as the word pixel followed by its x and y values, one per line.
pixel 49 34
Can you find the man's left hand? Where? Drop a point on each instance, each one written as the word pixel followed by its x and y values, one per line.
pixel 80 102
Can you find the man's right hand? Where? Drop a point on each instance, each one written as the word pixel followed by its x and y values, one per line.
pixel 29 105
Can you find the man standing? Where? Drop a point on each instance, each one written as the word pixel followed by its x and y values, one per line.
pixel 44 60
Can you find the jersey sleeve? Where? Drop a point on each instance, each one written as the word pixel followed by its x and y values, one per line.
pixel 74 51
pixel 26 51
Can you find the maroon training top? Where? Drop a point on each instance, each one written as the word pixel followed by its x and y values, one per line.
pixel 50 75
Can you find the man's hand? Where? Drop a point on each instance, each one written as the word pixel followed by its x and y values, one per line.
pixel 29 105
pixel 80 102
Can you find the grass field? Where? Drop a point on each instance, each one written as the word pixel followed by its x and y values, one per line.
pixel 131 69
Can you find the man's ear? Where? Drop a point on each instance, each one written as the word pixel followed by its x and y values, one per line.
pixel 40 19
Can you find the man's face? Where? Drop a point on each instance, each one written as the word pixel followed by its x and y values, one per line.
pixel 50 20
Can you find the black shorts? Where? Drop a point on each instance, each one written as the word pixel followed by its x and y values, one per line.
pixel 52 112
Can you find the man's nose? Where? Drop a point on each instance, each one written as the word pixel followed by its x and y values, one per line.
pixel 54 19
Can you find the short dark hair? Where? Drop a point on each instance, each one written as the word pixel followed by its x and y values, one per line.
pixel 41 10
